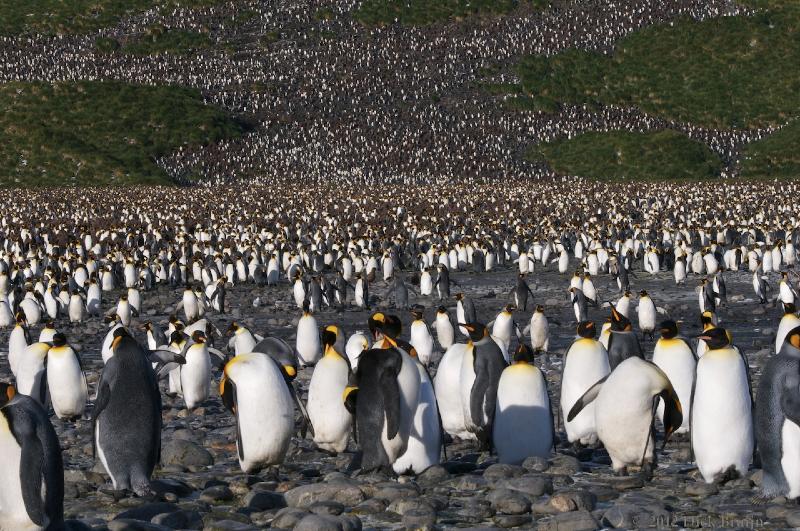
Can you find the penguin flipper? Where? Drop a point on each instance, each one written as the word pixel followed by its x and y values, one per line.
pixel 218 358
pixel 586 399
pixel 391 401
pixel 31 467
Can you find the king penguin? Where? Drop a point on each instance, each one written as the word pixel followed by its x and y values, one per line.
pixel 777 420
pixel 383 396
pixel 624 407
pixel 308 345
pixel 523 420
pixel 254 390
pixel 789 321
pixel 329 416
pixel 674 356
pixel 421 338
pixel 66 380
pixel 127 417
pixel 481 367
pixel 721 421
pixel 622 341
pixel 32 490
pixel 445 333
pixel 585 362
pixel 447 385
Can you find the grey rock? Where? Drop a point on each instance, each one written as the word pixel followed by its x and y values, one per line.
pixel 306 495
pixel 371 506
pixel 330 508
pixel 419 519
pixel 134 525
pixel 263 501
pixel 433 476
pixel 512 520
pixel 287 518
pixel 530 485
pixel 701 489
pixel 185 453
pixel 147 511
pixel 180 520
pixel 402 506
pixel 564 464
pixel 228 525
pixel 507 501
pixel 572 521
pixel 219 493
pixel 535 464
pixel 502 471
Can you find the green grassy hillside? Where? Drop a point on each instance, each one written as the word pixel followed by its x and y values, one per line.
pixel 95 133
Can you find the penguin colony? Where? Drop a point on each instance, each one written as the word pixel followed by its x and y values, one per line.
pixel 328 96
pixel 426 368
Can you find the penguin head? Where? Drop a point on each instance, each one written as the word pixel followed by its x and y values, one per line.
pixel 177 337
pixel 199 336
pixel 118 335
pixel 619 323
pixel 476 331
pixel 417 312
pixel 21 318
pixel 707 320
pixel 392 327
pixel 329 335
pixel 7 392
pixel 306 307
pixel 587 330
pixel 376 322
pixel 59 340
pixel 441 309
pixel 539 308
pixel 523 354
pixel 232 328
pixel 716 338
pixel 789 308
pixel 642 294
pixel 459 296
pixel 509 308
pixel 50 325
pixel 669 329
pixel 793 337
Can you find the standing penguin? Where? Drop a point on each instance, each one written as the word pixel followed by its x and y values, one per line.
pixel 646 312
pixel 721 422
pixel 465 312
pixel 789 321
pixel 425 438
pixel 443 282
pixel 585 362
pixel 253 388
pixel 421 338
pixel 32 490
pixel 622 342
pixel 447 385
pixel 66 380
pixel 521 292
pixel 328 414
pixel 384 396
pixel 32 372
pixel 308 345
pixel 579 304
pixel 624 406
pixel 127 416
pixel 777 421
pixel 196 371
pixel 503 328
pixel 445 333
pixel 523 420
pixel 481 367
pixel 539 330
pixel 674 356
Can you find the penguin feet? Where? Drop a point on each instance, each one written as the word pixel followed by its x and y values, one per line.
pixel 113 493
pixel 621 472
pixel 646 473
pixel 142 489
pixel 728 475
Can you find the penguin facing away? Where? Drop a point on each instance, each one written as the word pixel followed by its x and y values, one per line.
pixel 329 416
pixel 675 357
pixel 625 404
pixel 126 418
pixel 721 424
pixel 523 422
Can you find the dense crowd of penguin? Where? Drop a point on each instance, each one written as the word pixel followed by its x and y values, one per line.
pixel 395 393
pixel 334 98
